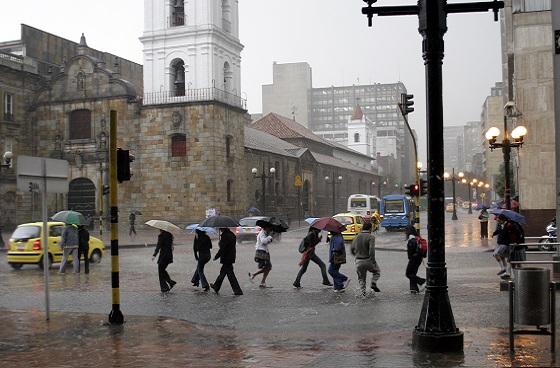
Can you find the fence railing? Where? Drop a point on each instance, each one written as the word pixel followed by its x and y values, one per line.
pixel 11 57
pixel 195 95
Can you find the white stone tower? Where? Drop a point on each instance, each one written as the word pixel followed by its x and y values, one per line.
pixel 191 47
pixel 361 133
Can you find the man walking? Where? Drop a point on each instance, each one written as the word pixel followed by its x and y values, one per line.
pixel 131 224
pixel 363 248
pixel 227 259
pixel 83 246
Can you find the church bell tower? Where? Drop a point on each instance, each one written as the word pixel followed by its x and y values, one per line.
pixel 191 47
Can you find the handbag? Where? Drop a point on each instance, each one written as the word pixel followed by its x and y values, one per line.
pixel 261 256
pixel 339 257
pixel 302 246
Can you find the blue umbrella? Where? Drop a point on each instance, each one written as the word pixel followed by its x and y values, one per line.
pixel 512 215
pixel 208 230
pixel 311 220
pixel 255 211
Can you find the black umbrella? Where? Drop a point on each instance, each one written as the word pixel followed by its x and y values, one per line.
pixel 278 226
pixel 219 221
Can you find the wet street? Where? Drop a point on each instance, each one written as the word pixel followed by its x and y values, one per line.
pixel 274 327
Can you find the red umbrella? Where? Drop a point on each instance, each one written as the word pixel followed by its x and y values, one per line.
pixel 328 224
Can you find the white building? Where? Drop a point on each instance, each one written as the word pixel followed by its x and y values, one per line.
pixel 361 133
pixel 191 50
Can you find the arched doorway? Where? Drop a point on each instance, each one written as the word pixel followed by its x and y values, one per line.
pixel 81 197
pixel 305 198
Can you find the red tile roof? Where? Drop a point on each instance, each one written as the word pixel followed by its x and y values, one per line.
pixel 358 113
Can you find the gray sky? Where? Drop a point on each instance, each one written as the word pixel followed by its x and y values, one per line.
pixel 331 35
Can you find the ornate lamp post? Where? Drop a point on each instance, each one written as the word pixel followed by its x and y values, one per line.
pixel 506 144
pixel 263 178
pixel 469 183
pixel 331 180
pixel 5 164
pixel 453 179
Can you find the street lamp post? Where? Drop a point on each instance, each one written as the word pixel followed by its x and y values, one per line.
pixel 506 144
pixel 454 178
pixel 469 185
pixel 333 182
pixel 5 164
pixel 263 178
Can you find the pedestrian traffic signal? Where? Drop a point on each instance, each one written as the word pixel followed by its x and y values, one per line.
pixel 412 190
pixel 423 187
pixel 406 103
pixel 124 158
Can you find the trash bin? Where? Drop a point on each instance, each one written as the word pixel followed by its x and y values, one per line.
pixel 532 296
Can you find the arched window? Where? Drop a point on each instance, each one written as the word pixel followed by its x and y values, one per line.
pixel 80 124
pixel 177 77
pixel 81 81
pixel 228 76
pixel 226 11
pixel 177 13
pixel 356 137
pixel 230 190
pixel 178 145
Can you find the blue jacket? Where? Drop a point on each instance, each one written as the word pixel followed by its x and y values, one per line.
pixel 69 237
pixel 336 244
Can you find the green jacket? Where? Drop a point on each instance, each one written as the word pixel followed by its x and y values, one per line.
pixel 363 246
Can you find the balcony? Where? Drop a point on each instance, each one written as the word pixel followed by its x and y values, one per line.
pixel 195 95
pixel 177 20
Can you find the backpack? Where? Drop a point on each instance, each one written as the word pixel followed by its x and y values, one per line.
pixel 422 246
pixel 516 235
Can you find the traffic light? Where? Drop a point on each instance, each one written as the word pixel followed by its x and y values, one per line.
pixel 412 189
pixel 423 187
pixel 406 103
pixel 124 158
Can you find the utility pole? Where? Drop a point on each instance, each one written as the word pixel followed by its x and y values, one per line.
pixel 436 330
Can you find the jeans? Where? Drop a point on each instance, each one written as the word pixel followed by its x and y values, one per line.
pixel 227 270
pixel 484 229
pixel 165 281
pixel 85 253
pixel 199 276
pixel 338 278
pixel 319 263
pixel 411 270
pixel 362 268
pixel 75 260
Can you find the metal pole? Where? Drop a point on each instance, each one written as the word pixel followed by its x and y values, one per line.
pixel 436 329
pixel 45 239
pixel 556 33
pixel 470 198
pixel 553 316
pixel 506 149
pixel 115 317
pixel 263 184
pixel 511 285
pixel 333 195
pixel 454 217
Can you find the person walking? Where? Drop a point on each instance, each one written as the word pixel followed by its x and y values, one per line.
pixel 483 218
pixel 262 255
pixel 201 249
pixel 83 247
pixel 131 224
pixel 415 257
pixel 165 249
pixel 69 243
pixel 502 250
pixel 337 257
pixel 310 241
pixel 363 248
pixel 226 254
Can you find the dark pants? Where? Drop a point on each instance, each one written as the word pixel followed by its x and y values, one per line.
pixel 165 281
pixel 484 230
pixel 85 253
pixel 314 258
pixel 199 276
pixel 131 230
pixel 411 270
pixel 227 270
pixel 338 278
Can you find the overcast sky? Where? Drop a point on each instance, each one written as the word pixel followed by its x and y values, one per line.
pixel 331 35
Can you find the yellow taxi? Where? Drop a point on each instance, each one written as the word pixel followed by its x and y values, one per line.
pixel 25 245
pixel 353 224
pixel 449 207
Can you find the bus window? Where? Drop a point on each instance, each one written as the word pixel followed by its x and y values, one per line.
pixel 394 206
pixel 358 203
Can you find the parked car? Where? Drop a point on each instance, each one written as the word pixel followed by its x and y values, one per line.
pixel 465 205
pixel 449 207
pixel 25 245
pixel 353 222
pixel 248 229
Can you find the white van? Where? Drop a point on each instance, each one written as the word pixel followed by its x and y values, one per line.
pixel 363 204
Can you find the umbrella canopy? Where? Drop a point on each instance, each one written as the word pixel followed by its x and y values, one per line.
pixel 328 224
pixel 311 220
pixel 219 221
pixel 136 212
pixel 70 217
pixel 164 225
pixel 208 230
pixel 254 211
pixel 278 226
pixel 512 215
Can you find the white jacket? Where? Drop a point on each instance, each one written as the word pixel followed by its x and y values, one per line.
pixel 263 240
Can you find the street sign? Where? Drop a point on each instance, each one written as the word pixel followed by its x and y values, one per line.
pixel 298 182
pixel 30 174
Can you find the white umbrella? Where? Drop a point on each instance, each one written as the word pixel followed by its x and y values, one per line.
pixel 164 225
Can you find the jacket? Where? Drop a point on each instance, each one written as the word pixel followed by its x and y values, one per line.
pixel 226 254
pixel 202 245
pixel 69 237
pixel 164 247
pixel 363 246
pixel 263 240
pixel 311 239
pixel 83 238
pixel 412 248
pixel 336 245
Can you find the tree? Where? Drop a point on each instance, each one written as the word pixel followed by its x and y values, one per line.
pixel 500 182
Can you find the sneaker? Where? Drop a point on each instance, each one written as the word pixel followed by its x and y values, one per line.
pixel 250 277
pixel 339 290
pixel 206 288
pixel 262 286
pixel 363 293
pixel 501 272
pixel 414 291
pixel 238 293
pixel 347 282
pixel 505 276
pixel 217 291
pixel 422 287
pixel 375 288
pixel 297 286
pixel 194 284
pixel 172 284
pixel 327 283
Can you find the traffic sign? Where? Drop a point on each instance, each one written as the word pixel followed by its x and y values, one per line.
pixel 298 182
pixel 31 173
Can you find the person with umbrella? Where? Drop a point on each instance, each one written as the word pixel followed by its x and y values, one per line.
pixel 310 241
pixel 262 255
pixel 483 217
pixel 69 243
pixel 201 249
pixel 226 254
pixel 165 249
pixel 337 257
pixel 132 224
pixel 83 247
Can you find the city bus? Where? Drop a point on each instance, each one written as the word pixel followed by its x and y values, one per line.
pixel 397 211
pixel 363 204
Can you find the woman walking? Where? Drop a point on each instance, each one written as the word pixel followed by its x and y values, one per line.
pixel 201 249
pixel 309 242
pixel 483 217
pixel 337 257
pixel 415 257
pixel 262 255
pixel 165 249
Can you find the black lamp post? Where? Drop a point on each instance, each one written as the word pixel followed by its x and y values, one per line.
pixel 453 179
pixel 5 164
pixel 263 178
pixel 506 144
pixel 469 183
pixel 436 329
pixel 333 182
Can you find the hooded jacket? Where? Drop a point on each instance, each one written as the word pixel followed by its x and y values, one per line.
pixel 69 237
